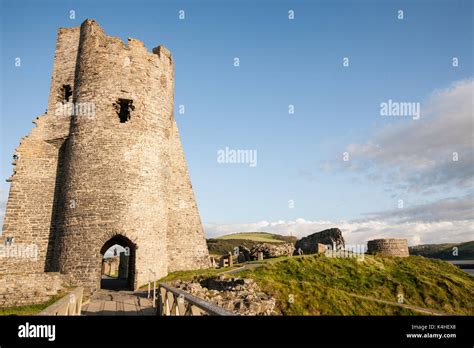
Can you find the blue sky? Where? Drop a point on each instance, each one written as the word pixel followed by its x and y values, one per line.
pixel 283 62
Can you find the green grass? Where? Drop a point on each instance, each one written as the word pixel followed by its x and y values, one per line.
pixel 193 274
pixel 223 244
pixel 318 285
pixel 465 251
pixel 209 272
pixel 30 309
pixel 255 236
pixel 322 286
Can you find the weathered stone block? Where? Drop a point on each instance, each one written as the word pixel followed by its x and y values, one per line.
pixel 332 236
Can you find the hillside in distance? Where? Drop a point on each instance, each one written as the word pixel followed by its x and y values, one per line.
pixel 260 237
pixel 223 244
pixel 465 251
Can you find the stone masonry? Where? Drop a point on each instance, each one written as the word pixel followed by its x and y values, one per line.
pixel 239 295
pixel 388 247
pixel 112 173
pixel 331 236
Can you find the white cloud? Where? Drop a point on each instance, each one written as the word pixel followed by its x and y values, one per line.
pixel 418 154
pixel 359 232
pixel 110 251
pixel 448 209
pixel 445 221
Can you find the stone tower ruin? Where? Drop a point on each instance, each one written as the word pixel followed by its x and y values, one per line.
pixel 388 247
pixel 112 173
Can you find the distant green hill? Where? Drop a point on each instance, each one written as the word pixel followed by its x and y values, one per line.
pixel 223 244
pixel 260 237
pixel 445 251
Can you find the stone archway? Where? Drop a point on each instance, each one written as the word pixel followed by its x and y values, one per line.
pixel 125 278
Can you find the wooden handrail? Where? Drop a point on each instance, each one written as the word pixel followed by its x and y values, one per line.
pixel 173 301
pixel 154 286
pixel 71 304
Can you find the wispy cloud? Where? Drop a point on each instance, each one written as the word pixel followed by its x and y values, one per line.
pixel 443 221
pixel 448 209
pixel 435 151
pixel 359 232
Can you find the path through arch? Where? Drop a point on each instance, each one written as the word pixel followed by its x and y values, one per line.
pixel 117 260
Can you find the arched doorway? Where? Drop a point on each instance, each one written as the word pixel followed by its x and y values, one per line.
pixel 118 264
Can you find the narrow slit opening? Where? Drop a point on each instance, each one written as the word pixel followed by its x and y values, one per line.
pixel 125 109
pixel 67 93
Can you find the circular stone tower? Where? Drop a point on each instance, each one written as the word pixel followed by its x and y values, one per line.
pixel 117 175
pixel 388 247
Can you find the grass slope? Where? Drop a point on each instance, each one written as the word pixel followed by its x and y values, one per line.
pixel 322 286
pixel 223 246
pixel 33 309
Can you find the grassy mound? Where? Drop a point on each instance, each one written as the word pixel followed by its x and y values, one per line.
pixel 317 285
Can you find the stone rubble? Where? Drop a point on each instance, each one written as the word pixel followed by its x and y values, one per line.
pixel 272 250
pixel 238 295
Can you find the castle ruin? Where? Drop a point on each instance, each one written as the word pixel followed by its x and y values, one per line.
pixel 111 171
pixel 388 247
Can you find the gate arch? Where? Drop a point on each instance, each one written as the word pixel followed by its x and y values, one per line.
pixel 130 247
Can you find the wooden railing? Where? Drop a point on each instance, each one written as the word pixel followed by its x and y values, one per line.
pixel 70 304
pixel 173 301
pixel 153 276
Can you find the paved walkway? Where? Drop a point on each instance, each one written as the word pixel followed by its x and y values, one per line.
pixel 114 301
pixel 110 302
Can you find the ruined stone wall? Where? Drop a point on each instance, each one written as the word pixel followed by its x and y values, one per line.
pixel 110 266
pixel 331 236
pixel 82 180
pixel 25 289
pixel 37 172
pixel 64 68
pixel 388 247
